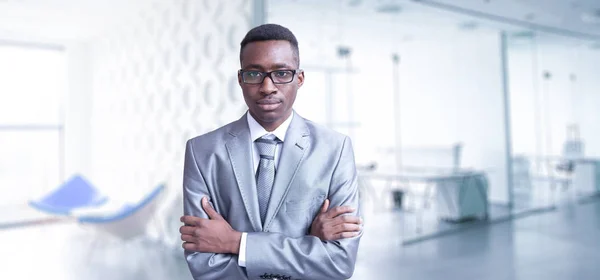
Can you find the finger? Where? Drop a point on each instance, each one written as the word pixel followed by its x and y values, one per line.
pixel 339 210
pixel 190 246
pixel 187 230
pixel 341 220
pixel 190 220
pixel 187 238
pixel 347 219
pixel 346 228
pixel 343 235
pixel 212 214
pixel 325 206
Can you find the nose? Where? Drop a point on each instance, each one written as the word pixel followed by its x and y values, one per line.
pixel 268 87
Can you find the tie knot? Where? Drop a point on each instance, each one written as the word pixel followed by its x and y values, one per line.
pixel 266 146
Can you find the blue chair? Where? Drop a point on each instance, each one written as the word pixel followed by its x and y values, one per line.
pixel 73 194
pixel 127 221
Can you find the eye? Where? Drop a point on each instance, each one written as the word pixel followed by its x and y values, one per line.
pixel 282 74
pixel 253 74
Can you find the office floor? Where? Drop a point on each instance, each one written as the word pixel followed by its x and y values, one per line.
pixel 561 244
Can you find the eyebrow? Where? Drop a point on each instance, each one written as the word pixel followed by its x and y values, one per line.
pixel 275 66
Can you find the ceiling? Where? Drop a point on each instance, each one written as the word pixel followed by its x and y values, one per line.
pixel 555 19
pixel 83 19
pixel 63 20
pixel 579 18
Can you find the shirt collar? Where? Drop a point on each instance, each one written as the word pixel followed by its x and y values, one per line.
pixel 257 131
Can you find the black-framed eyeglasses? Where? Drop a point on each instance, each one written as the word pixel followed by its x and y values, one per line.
pixel 277 76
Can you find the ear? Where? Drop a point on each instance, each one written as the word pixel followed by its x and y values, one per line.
pixel 239 75
pixel 300 79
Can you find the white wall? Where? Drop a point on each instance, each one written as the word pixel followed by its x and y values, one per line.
pixel 165 76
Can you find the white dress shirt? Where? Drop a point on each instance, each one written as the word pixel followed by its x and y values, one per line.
pixel 257 131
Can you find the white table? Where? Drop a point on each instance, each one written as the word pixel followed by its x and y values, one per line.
pixel 460 195
pixel 586 177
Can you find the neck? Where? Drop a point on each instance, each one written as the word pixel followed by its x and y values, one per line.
pixel 271 126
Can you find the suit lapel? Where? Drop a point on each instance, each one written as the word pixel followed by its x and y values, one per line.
pixel 240 155
pixel 295 145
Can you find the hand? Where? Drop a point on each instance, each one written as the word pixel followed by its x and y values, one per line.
pixel 213 235
pixel 332 225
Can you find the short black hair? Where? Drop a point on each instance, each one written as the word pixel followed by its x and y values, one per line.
pixel 270 31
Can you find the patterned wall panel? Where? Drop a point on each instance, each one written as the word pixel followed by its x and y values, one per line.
pixel 163 77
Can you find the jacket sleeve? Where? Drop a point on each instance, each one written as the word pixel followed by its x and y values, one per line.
pixel 308 257
pixel 204 265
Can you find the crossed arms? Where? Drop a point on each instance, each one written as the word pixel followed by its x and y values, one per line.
pixel 327 252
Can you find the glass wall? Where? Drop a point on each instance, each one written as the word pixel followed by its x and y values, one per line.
pixel 31 93
pixel 554 88
pixel 421 94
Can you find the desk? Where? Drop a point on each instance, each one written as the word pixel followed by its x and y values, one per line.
pixel 460 195
pixel 586 177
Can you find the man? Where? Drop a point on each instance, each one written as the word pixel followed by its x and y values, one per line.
pixel 258 191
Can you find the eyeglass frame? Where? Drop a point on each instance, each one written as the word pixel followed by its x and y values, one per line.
pixel 268 74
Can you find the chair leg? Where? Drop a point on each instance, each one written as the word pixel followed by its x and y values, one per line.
pixel 93 246
pixel 159 228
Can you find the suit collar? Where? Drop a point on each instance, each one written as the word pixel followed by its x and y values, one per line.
pixel 294 147
pixel 238 149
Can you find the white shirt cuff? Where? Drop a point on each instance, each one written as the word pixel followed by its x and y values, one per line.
pixel 242 254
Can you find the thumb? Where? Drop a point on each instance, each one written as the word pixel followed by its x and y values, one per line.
pixel 325 206
pixel 212 214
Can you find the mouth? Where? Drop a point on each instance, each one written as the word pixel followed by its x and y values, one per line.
pixel 268 104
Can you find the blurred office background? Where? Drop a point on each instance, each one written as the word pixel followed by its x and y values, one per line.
pixel 474 123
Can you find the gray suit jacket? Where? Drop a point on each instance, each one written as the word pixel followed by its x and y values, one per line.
pixel 316 163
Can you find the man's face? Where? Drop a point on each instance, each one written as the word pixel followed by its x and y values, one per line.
pixel 269 103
